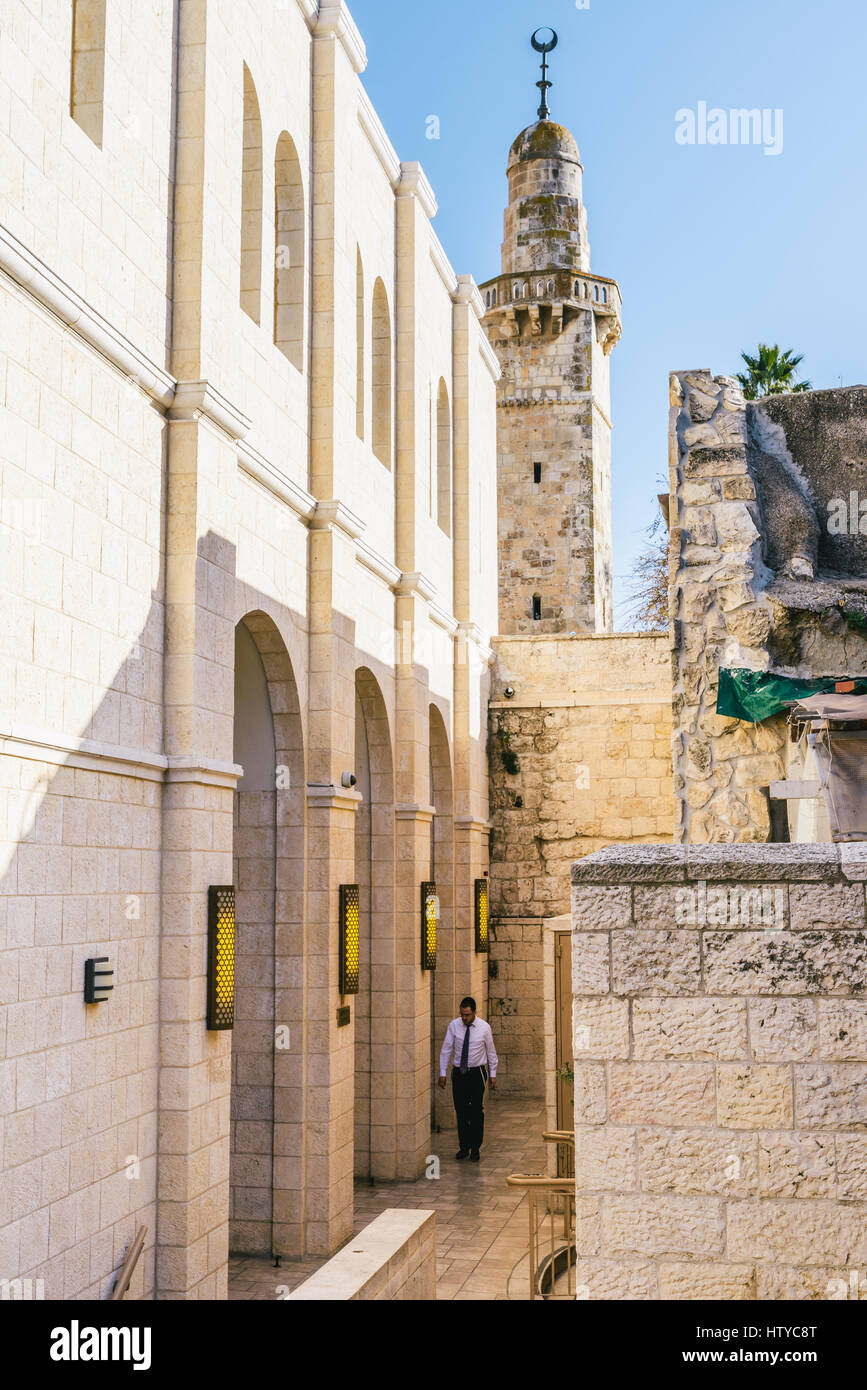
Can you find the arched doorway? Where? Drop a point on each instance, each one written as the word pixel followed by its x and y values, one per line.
pixel 443 1004
pixel 375 1133
pixel 265 1175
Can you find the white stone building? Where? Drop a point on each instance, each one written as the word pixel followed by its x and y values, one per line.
pixel 248 526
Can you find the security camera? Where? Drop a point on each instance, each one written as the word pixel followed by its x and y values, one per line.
pixel 509 692
pixel 348 779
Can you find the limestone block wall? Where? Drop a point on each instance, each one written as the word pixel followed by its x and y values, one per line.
pixel 392 1260
pixel 720 1042
pixel 590 728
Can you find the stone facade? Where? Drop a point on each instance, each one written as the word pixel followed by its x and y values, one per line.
pixel 760 579
pixel 552 325
pixel 237 570
pixel 589 730
pixel 720 1042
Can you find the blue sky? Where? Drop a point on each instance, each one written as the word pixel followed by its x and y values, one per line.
pixel 715 247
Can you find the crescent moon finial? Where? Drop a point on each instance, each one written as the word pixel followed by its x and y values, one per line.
pixel 544 47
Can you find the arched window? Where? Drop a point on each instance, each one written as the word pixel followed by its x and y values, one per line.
pixel 381 375
pixel 494 299
pixel 444 459
pixel 251 204
pixel 289 253
pixel 537 608
pixel 604 295
pixel 359 347
pixel 550 286
pixel 88 67
pixel 596 293
pixel 516 291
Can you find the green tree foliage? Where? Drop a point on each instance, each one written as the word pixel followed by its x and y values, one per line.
pixel 771 373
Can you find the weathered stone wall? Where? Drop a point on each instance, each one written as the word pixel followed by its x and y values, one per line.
pixel 589 725
pixel 720 1042
pixel 751 499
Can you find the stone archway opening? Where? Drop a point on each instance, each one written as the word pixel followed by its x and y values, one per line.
pixel 268 851
pixel 376 1059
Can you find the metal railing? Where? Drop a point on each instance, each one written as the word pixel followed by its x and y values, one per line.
pixel 551 1216
pixel 127 1269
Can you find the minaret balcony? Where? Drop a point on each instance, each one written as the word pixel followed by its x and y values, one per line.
pixel 524 305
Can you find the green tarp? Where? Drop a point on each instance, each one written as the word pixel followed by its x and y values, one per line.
pixel 756 695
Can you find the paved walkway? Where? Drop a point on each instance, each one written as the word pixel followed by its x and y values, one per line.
pixel 481 1223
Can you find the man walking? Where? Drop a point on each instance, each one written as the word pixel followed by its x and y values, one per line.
pixel 469 1045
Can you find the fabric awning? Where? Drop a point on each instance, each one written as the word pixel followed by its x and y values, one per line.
pixel 844 709
pixel 756 695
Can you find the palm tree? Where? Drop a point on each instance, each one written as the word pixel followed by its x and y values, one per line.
pixel 771 373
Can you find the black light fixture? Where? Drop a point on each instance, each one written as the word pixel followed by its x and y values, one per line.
pixel 221 958
pixel 429 906
pixel 98 984
pixel 480 917
pixel 349 938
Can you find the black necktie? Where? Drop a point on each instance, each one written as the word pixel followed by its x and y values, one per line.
pixel 465 1051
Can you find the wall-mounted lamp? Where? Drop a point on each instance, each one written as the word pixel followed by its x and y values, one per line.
pixel 98 983
pixel 349 938
pixel 480 917
pixel 429 908
pixel 221 959
pixel 509 692
pixel 348 779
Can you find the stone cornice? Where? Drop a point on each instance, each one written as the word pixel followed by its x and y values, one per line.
pixel 442 618
pixel 196 399
pixel 470 823
pixel 414 582
pixel 467 292
pixel 203 771
pixel 67 305
pixel 380 143
pixel 45 745
pixel 442 264
pixel 415 812
pixel 335 514
pixel 257 467
pixel 414 184
pixel 377 564
pixel 333 21
pixel 330 798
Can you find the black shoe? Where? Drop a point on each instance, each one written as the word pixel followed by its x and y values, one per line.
pixel 474 1156
pixel 462 1153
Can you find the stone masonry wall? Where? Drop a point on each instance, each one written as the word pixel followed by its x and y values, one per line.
pixel 719 616
pixel 589 725
pixel 720 1042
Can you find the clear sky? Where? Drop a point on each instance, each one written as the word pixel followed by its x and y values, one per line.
pixel 714 247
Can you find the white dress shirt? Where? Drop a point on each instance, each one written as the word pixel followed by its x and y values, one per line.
pixel 481 1049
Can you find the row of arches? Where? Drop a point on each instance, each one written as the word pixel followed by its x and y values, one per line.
pixel 271 1072
pixel 288 227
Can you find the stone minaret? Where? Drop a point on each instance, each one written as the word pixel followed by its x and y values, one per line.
pixel 552 323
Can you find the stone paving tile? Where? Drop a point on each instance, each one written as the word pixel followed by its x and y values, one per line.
pixel 481 1224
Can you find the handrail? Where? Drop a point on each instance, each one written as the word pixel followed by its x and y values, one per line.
pixel 127 1269
pixel 560 1251
pixel 541 1180
pixel 559 1136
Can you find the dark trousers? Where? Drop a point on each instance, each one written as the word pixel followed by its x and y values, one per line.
pixel 468 1093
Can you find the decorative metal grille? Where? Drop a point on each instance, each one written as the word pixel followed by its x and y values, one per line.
pixel 483 941
pixel 221 958
pixel 429 914
pixel 349 938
